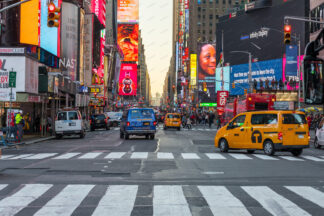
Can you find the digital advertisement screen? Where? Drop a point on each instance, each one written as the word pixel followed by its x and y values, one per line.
pixel 128 79
pixel 128 41
pixel 260 28
pixel 270 70
pixel 223 79
pixel 29 15
pixel 127 11
pixel 206 59
pixel 98 8
pixel 193 69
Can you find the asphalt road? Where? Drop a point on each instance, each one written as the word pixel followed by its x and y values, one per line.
pixel 178 173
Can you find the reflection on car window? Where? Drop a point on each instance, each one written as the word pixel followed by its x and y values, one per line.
pixel 61 116
pixel 239 121
pixel 264 119
pixel 73 116
pixel 100 117
pixel 294 119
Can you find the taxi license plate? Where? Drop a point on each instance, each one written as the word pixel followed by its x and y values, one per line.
pixel 301 136
pixel 146 123
pixel 72 124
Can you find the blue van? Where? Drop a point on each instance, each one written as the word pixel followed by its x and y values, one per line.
pixel 138 121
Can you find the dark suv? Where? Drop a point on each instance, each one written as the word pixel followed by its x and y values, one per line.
pixel 99 121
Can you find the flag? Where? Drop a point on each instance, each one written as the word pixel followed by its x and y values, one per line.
pixel 220 63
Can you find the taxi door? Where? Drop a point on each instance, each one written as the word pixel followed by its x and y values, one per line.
pixel 236 132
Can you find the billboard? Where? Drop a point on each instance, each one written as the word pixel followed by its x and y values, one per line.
pixel 128 79
pixel 128 41
pixel 98 7
pixel 206 72
pixel 291 60
pixel 271 69
pixel 69 35
pixel 29 14
pixel 127 11
pixel 193 69
pixel 223 79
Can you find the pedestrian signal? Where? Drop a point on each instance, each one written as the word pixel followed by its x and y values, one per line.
pixel 53 17
pixel 287 34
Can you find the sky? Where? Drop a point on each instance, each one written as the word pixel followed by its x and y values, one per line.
pixel 155 23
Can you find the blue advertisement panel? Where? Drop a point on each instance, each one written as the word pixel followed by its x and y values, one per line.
pixel 48 36
pixel 271 69
pixel 223 81
pixel 291 62
pixel 187 20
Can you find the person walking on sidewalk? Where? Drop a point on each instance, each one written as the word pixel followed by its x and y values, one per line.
pixel 210 119
pixel 20 125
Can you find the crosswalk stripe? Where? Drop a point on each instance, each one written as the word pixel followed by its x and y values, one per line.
pixel 67 155
pixel 169 200
pixel 215 156
pixel 265 157
pixel 3 186
pixel 20 156
pixel 2 157
pixel 223 202
pixel 273 202
pixel 115 155
pixel 139 155
pixel 309 193
pixel 66 201
pixel 322 156
pixel 28 193
pixel 118 201
pixel 40 156
pixel 116 129
pixel 240 156
pixel 165 155
pixel 312 158
pixel 90 155
pixel 190 156
pixel 291 158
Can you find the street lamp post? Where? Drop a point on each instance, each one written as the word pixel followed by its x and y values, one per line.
pixel 250 68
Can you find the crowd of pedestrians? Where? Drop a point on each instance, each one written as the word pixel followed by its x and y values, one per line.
pixel 203 118
pixel 274 84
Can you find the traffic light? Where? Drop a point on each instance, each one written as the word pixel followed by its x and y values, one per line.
pixel 287 34
pixel 53 17
pixel 233 85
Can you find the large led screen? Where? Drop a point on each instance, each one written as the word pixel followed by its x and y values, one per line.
pixel 223 79
pixel 206 58
pixel 260 32
pixel 29 18
pixel 128 41
pixel 127 11
pixel 128 79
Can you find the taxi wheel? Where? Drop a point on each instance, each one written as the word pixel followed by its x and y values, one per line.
pixel 268 148
pixel 316 145
pixel 223 146
pixel 296 152
pixel 250 151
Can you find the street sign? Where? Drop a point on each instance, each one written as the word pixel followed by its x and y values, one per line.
pixel 208 104
pixel 12 79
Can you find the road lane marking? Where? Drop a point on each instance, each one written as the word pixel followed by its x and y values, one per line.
pixel 119 201
pixel 309 193
pixel 273 202
pixel 139 155
pixel 190 156
pixel 28 193
pixel 165 155
pixel 20 156
pixel 90 155
pixel 116 129
pixel 158 146
pixel 67 155
pixel 40 156
pixel 240 156
pixel 169 200
pixel 312 158
pixel 265 157
pixel 215 156
pixel 291 158
pixel 3 157
pixel 66 201
pixel 115 155
pixel 223 202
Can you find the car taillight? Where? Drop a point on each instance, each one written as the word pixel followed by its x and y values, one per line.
pixel 90 121
pixel 154 123
pixel 280 136
pixel 308 135
pixel 127 124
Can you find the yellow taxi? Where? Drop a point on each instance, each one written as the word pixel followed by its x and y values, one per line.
pixel 172 120
pixel 268 130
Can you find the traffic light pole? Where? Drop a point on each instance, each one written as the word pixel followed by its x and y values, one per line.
pixel 250 68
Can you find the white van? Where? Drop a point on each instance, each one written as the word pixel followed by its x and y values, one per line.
pixel 69 122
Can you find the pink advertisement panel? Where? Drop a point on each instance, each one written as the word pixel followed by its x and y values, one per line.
pixel 99 9
pixel 128 79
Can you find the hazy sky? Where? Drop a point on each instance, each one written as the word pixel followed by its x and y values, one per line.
pixel 156 26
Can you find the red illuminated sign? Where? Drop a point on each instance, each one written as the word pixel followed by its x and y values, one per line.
pixel 222 98
pixel 128 79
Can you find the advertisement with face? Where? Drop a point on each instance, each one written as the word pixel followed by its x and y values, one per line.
pixel 127 11
pixel 128 41
pixel 128 79
pixel 206 72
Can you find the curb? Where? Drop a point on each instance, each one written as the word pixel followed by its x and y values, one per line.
pixel 28 142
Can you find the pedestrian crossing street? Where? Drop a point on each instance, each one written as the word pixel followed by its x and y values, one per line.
pixel 157 156
pixel 161 200
pixel 160 127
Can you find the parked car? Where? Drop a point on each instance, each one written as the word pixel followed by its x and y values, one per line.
pixel 69 122
pixel 319 135
pixel 138 121
pixel 268 130
pixel 114 118
pixel 99 121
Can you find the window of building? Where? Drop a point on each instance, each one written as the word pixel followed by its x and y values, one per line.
pixel 203 16
pixel 199 16
pixel 210 31
pixel 198 31
pixel 203 24
pixel 210 1
pixel 224 1
pixel 204 32
pixel 217 1
pixel 199 9
pixel 211 24
pixel 211 16
pixel 204 1
pixel 230 2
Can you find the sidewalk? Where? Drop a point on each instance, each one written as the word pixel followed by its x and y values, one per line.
pixel 29 139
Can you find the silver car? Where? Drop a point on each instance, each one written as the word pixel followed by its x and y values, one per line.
pixel 114 118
